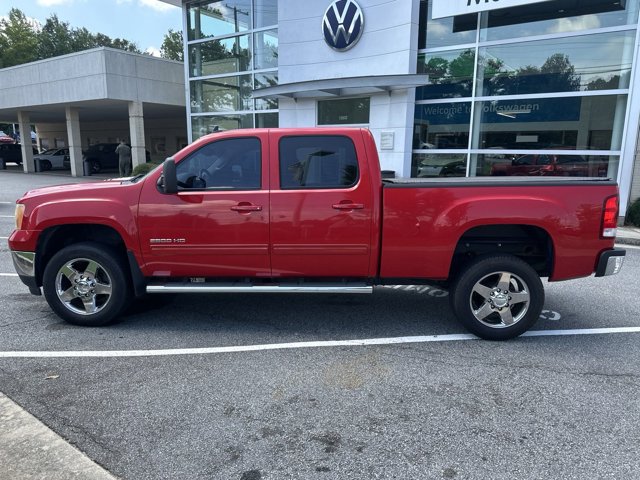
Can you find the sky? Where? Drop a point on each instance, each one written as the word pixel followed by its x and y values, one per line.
pixel 143 22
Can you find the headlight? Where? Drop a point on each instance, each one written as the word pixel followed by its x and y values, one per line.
pixel 19 215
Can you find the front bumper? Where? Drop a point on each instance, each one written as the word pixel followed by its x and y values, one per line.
pixel 610 262
pixel 25 265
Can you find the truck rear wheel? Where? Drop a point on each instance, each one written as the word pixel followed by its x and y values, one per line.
pixel 87 284
pixel 497 297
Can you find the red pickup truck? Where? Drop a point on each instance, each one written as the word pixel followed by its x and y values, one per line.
pixel 306 210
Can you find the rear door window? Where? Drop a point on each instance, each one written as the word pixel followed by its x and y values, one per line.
pixel 312 162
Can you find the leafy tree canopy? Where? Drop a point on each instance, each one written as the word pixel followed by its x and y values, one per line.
pixel 24 41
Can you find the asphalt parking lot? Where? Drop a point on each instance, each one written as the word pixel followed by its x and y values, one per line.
pixel 437 404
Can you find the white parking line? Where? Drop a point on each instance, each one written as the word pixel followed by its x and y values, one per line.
pixel 632 247
pixel 7 216
pixel 8 274
pixel 291 346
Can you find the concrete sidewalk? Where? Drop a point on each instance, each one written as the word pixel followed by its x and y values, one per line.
pixel 30 450
pixel 628 236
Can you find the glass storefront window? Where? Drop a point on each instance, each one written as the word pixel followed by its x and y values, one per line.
pixel 267 120
pixel 584 63
pixel 559 16
pixel 229 55
pixel 573 123
pixel 204 125
pixel 542 164
pixel 221 94
pixel 265 13
pixel 442 126
pixel 450 74
pixel 426 165
pixel 264 80
pixel 444 32
pixel 266 49
pixel 213 19
pixel 344 111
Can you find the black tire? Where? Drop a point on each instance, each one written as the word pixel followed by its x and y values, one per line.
pixel 87 284
pixel 96 167
pixel 497 297
pixel 46 165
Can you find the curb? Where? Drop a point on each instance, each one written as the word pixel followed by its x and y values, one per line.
pixel 628 241
pixel 31 450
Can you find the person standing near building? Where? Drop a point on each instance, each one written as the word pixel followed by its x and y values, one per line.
pixel 124 159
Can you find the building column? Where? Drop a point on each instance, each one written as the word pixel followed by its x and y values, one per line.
pixel 25 141
pixel 136 127
pixel 74 141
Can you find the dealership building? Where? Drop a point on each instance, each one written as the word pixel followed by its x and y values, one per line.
pixel 448 87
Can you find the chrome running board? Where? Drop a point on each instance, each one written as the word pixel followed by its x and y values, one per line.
pixel 184 287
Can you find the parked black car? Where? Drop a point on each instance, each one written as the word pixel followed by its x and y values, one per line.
pixel 12 152
pixel 103 156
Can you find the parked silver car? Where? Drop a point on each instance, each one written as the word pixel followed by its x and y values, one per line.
pixel 53 158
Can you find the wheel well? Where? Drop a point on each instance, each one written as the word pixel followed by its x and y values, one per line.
pixel 53 239
pixel 531 244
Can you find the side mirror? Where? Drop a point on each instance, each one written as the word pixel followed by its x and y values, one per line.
pixel 170 176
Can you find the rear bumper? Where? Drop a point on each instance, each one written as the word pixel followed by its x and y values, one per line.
pixel 610 262
pixel 25 265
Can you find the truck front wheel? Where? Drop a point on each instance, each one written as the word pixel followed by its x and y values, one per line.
pixel 497 297
pixel 87 284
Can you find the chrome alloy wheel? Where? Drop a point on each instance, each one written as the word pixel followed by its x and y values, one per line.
pixel 500 300
pixel 83 286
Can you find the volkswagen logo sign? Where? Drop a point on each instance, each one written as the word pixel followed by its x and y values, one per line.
pixel 343 24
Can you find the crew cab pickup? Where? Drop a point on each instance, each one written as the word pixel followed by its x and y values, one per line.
pixel 306 210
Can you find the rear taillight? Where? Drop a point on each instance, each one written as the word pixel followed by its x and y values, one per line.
pixel 610 217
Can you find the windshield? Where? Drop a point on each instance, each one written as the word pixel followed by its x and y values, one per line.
pixel 151 166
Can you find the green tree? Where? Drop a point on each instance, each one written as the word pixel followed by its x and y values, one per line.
pixel 18 40
pixel 23 41
pixel 172 46
pixel 55 38
pixel 562 73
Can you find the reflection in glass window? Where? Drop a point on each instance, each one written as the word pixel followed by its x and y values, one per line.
pixel 590 62
pixel 541 164
pixel 265 13
pixel 559 16
pixel 442 32
pixel 576 123
pixel 344 111
pixel 450 74
pixel 442 126
pixel 429 165
pixel 221 94
pixel 267 120
pixel 317 162
pixel 264 80
pixel 266 49
pixel 229 55
pixel 212 19
pixel 204 125
pixel 231 163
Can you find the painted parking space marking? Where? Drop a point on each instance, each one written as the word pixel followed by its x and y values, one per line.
pixel 8 274
pixel 299 345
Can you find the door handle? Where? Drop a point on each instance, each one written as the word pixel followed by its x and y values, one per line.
pixel 246 208
pixel 348 206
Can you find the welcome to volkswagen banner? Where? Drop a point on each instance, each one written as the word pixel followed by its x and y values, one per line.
pixel 452 8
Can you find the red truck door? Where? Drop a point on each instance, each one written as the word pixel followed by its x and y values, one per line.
pixel 217 224
pixel 321 205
